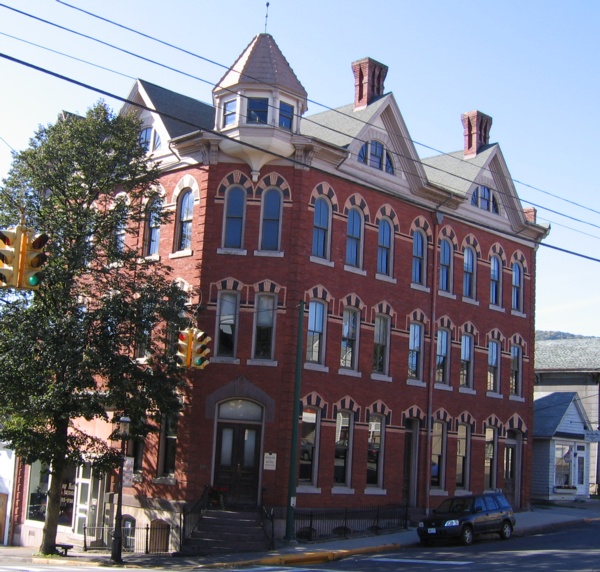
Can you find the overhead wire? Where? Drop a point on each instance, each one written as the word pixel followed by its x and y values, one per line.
pixel 213 62
pixel 224 136
pixel 308 119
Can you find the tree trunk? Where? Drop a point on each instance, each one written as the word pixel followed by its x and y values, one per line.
pixel 48 545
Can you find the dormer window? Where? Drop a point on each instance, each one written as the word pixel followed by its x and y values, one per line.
pixel 485 199
pixel 258 110
pixel 374 154
pixel 150 139
pixel 229 112
pixel 286 115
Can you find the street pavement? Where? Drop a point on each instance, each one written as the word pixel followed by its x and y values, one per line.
pixel 540 518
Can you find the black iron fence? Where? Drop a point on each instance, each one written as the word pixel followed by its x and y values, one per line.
pixel 323 524
pixel 149 539
pixel 267 521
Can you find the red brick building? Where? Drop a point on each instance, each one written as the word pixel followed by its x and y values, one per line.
pixel 417 278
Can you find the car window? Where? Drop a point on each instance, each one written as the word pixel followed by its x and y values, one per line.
pixel 501 500
pixel 490 503
pixel 479 505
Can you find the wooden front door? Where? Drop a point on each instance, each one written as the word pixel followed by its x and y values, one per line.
pixel 237 467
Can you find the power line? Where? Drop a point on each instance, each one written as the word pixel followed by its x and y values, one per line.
pixel 224 136
pixel 308 119
pixel 213 62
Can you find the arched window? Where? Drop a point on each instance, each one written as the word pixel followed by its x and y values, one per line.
pixel 264 331
pixel 321 221
pixel 185 217
pixel 418 258
pixel 271 220
pixel 384 248
pixel 309 446
pixel 315 342
pixel 153 227
pixel 227 318
pixel 466 361
pixel 375 451
pixel 485 199
pixel 344 430
pixel 495 281
pixel 374 154
pixel 463 450
pixel 235 208
pixel 517 287
pixel 493 379
pixel 415 351
pixel 442 358
pixel 381 345
pixel 446 266
pixel 354 239
pixel 516 370
pixel 350 329
pixel 438 454
pixel 490 462
pixel 469 273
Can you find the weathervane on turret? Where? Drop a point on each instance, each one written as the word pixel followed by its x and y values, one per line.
pixel 266 17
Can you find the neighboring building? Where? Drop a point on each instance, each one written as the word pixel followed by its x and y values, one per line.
pixel 417 279
pixel 567 365
pixel 561 448
pixel 7 479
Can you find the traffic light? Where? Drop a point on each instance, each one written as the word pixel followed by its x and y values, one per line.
pixel 184 348
pixel 33 260
pixel 200 349
pixel 10 244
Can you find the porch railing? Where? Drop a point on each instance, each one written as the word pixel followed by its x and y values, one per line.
pixel 267 520
pixel 323 524
pixel 190 517
pixel 147 539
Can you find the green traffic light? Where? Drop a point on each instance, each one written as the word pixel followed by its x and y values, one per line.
pixel 34 280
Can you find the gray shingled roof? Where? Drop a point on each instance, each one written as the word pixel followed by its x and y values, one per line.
pixel 571 354
pixel 342 125
pixel 453 172
pixel 549 410
pixel 199 115
pixel 263 63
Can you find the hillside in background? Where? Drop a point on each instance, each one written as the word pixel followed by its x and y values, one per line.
pixel 547 335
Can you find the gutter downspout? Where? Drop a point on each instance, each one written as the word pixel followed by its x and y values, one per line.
pixel 438 217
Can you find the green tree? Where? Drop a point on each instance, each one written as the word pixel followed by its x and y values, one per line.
pixel 70 351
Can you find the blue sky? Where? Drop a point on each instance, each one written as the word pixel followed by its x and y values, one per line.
pixel 530 64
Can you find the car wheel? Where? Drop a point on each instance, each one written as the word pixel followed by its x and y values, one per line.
pixel 466 536
pixel 506 530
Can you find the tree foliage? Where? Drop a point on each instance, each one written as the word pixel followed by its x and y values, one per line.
pixel 94 339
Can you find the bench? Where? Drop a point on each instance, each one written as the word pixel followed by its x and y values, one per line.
pixel 64 547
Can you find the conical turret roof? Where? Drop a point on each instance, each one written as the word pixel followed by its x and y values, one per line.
pixel 262 63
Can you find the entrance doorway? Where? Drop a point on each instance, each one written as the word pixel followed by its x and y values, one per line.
pixel 237 458
pixel 512 469
pixel 411 459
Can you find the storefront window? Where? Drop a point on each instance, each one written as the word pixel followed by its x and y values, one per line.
pixel 39 480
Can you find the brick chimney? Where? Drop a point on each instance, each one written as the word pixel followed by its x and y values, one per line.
pixel 477 131
pixel 369 76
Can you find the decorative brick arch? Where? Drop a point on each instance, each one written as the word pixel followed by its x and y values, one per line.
pixel 494 421
pixel 442 415
pixel 314 400
pixel 325 190
pixel 267 286
pixel 469 328
pixel 235 178
pixel 386 211
pixel 414 412
pixel 472 242
pixel 353 300
pixel 319 293
pixel 497 250
pixel 446 323
pixel 496 334
pixel 519 257
pixel 465 418
pixel 358 202
pixel 379 408
pixel 515 423
pixel 274 180
pixel 346 404
pixel 186 182
pixel 417 316
pixel 518 340
pixel 230 283
pixel 420 223
pixel 447 233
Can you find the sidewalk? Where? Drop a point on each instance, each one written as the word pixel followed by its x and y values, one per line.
pixel 540 518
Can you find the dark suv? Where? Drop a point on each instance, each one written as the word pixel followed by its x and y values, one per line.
pixel 465 517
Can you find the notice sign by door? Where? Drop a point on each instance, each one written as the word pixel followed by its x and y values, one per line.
pixel 128 472
pixel 270 463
